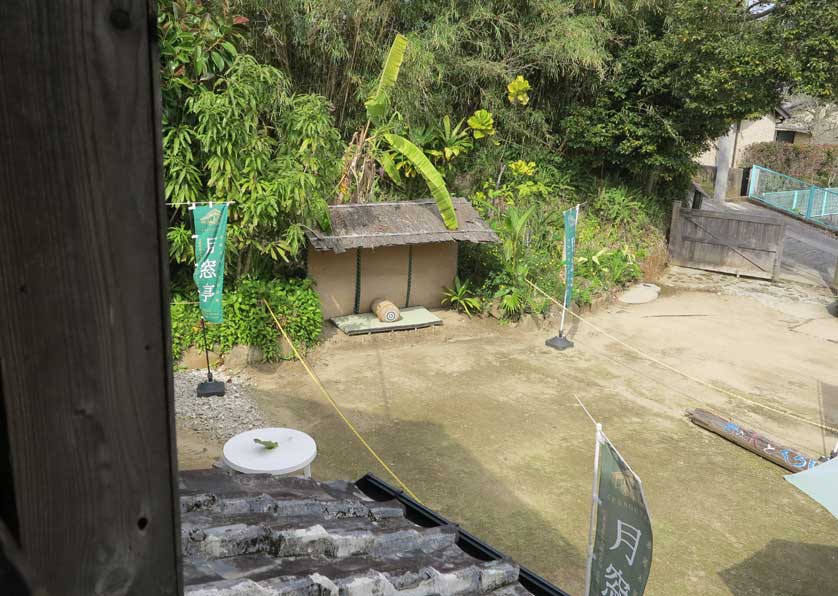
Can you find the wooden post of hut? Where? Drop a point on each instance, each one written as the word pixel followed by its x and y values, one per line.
pixel 86 409
pixel 401 252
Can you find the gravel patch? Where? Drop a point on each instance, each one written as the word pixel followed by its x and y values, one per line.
pixel 218 418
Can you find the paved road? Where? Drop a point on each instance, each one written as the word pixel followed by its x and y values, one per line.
pixel 810 255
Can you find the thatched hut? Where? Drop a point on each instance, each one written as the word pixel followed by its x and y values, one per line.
pixel 399 251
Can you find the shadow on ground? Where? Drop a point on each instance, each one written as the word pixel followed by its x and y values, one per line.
pixel 785 568
pixel 443 474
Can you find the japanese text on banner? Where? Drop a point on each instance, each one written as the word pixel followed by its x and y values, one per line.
pixel 210 239
pixel 622 552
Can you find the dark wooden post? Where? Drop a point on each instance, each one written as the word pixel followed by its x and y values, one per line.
pixel 85 376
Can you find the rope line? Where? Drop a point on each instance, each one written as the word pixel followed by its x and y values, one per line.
pixel 334 404
pixel 671 368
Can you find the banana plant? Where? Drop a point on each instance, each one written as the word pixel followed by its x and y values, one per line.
pixel 368 147
pixel 434 180
pixel 378 104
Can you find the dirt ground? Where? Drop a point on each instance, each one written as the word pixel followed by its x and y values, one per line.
pixel 480 421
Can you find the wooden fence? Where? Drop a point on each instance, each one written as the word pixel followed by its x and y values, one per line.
pixel 738 243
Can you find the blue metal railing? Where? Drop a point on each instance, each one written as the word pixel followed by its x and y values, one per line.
pixel 786 193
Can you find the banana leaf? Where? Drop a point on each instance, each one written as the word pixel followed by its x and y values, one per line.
pixel 434 180
pixel 386 161
pixel 378 103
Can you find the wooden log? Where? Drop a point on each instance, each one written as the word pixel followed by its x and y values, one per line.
pixel 385 310
pixel 772 450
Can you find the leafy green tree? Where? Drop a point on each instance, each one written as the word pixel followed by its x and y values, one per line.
pixel 462 56
pixel 682 75
pixel 806 33
pixel 629 88
pixel 233 130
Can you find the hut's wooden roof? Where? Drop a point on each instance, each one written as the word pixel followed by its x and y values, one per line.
pixel 370 225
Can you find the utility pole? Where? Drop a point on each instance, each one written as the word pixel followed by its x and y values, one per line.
pixel 724 161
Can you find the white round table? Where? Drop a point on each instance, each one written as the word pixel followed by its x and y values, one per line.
pixel 295 450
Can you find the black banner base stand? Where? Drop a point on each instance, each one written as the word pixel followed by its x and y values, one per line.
pixel 559 343
pixel 209 387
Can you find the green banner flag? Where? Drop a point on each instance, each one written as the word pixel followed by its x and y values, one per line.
pixel 621 556
pixel 210 237
pixel 570 217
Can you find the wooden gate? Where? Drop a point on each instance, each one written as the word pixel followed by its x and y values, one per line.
pixel 738 243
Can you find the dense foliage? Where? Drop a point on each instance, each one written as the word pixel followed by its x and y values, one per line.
pixel 617 228
pixel 817 164
pixel 525 107
pixel 634 88
pixel 247 321
pixel 682 78
pixel 805 34
pixel 233 130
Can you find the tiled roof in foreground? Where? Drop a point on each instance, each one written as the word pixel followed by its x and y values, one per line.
pixel 264 536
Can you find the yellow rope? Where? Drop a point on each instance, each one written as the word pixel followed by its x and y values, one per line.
pixel 334 404
pixel 682 373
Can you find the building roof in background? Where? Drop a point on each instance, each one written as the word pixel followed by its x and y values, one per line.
pixel 370 225
pixel 782 112
pixel 794 125
pixel 794 115
pixel 266 536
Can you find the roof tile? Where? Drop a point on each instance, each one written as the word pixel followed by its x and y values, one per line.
pixel 258 535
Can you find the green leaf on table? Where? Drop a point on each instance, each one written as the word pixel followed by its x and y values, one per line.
pixel 266 444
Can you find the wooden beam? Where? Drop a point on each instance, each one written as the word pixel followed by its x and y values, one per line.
pixel 85 363
pixel 771 449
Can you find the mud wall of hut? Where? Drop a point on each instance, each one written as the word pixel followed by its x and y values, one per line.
pixel 407 275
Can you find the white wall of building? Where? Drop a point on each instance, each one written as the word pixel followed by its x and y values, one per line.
pixel 750 132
